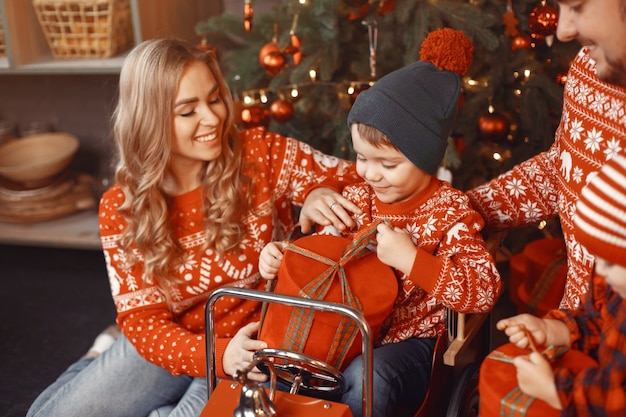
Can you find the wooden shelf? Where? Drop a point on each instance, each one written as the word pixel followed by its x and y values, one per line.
pixel 27 51
pixel 76 231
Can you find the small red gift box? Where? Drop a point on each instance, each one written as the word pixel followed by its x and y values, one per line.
pixel 330 268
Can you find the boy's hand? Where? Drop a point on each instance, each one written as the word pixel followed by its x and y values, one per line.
pixel 395 248
pixel 325 206
pixel 515 327
pixel 240 351
pixel 535 378
pixel 270 259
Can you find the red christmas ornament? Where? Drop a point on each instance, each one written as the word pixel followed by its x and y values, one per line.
pixel 248 13
pixel 543 19
pixel 282 110
pixel 294 49
pixel 254 116
pixel 521 41
pixel 271 58
pixel 494 126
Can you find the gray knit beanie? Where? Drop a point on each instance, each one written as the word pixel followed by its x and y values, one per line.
pixel 415 106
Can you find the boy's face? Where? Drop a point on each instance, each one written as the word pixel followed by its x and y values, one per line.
pixel 615 275
pixel 392 175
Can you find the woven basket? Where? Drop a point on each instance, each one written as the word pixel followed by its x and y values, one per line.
pixel 78 29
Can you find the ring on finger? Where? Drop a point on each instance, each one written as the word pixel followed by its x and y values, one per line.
pixel 332 206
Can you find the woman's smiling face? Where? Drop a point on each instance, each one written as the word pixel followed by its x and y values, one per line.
pixel 199 115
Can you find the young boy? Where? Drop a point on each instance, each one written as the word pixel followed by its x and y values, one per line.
pixel 431 235
pixel 597 329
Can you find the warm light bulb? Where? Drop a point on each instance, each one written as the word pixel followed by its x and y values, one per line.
pixel 497 156
pixel 294 92
pixel 313 75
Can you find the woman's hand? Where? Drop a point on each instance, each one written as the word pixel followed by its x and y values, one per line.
pixel 395 248
pixel 270 259
pixel 325 206
pixel 240 350
pixel 535 378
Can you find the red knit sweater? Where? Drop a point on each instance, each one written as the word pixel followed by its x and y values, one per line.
pixel 452 267
pixel 591 131
pixel 173 336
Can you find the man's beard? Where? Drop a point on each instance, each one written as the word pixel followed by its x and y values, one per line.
pixel 615 72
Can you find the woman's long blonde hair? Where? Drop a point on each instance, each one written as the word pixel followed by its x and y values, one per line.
pixel 142 126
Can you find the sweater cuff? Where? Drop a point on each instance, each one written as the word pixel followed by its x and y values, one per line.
pixel 220 347
pixel 425 270
pixel 564 380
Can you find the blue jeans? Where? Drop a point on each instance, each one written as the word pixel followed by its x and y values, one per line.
pixel 401 376
pixel 400 379
pixel 120 382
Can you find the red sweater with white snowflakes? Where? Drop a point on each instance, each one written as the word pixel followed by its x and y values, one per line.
pixel 592 130
pixel 173 336
pixel 452 267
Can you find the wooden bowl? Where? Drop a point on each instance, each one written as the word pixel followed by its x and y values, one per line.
pixel 38 158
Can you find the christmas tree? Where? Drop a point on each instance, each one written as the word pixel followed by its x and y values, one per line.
pixel 298 69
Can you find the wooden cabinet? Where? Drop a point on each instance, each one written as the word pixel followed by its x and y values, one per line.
pixel 27 51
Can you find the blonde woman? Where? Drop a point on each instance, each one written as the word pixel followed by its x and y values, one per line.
pixel 195 201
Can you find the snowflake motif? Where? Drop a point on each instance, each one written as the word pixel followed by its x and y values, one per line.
pixel 453 293
pixel 515 187
pixel 533 169
pixel 616 109
pixel 352 193
pixel 483 297
pixel 583 93
pixel 575 130
pixel 577 174
pixel 259 245
pixel 188 262
pixel 531 210
pixel 429 227
pixel 413 230
pixel 297 187
pixel 594 138
pixel 599 103
pixel 612 148
pixel 543 187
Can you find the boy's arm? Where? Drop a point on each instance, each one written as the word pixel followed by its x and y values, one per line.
pixel 460 272
pixel 270 259
pixel 599 388
pixel 586 323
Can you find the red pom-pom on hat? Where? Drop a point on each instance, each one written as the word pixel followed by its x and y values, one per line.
pixel 448 49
